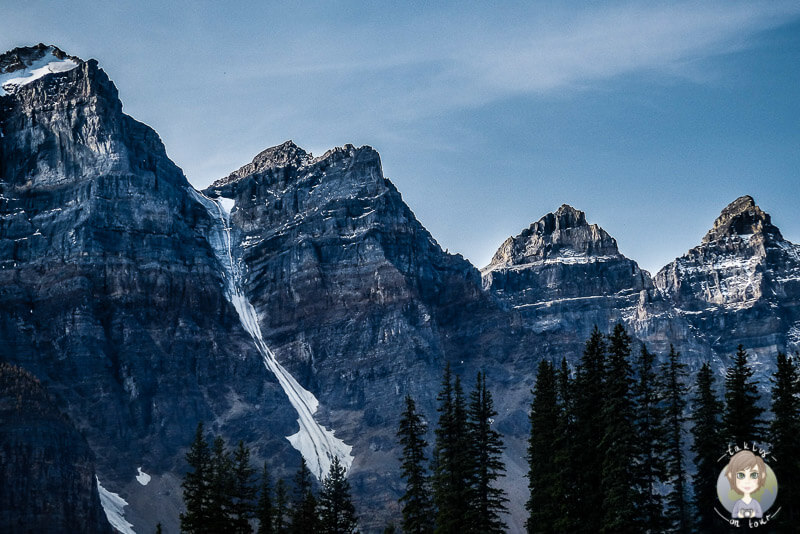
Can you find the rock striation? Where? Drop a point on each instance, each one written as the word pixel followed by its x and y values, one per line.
pixel 47 474
pixel 358 300
pixel 111 292
pixel 741 285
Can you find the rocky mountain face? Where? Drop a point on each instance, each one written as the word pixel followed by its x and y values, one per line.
pixel 566 276
pixel 294 303
pixel 111 293
pixel 358 300
pixel 47 475
pixel 741 285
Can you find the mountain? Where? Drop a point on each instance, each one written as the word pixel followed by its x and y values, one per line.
pixel 48 482
pixel 111 292
pixel 294 303
pixel 741 285
pixel 358 301
pixel 566 276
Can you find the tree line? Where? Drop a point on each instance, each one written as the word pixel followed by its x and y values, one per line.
pixel 223 493
pixel 607 448
pixel 618 443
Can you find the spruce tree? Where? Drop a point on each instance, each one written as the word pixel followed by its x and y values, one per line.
pixel 264 508
pixel 784 436
pixel 451 462
pixel 741 421
pixel 244 490
pixel 280 513
pixel 416 501
pixel 196 485
pixel 586 506
pixel 673 374
pixel 337 515
pixel 649 427
pixel 706 446
pixel 618 441
pixel 544 419
pixel 221 488
pixel 304 507
pixel 564 475
pixel 486 449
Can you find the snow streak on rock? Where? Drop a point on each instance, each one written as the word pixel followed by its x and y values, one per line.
pixel 317 444
pixel 113 506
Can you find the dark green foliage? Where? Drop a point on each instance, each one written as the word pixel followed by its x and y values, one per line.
pixel 451 462
pixel 741 421
pixel 390 529
pixel 650 429
pixel 486 449
pixel 673 374
pixel 618 441
pixel 784 434
pixel 196 485
pixel 264 510
pixel 706 446
pixel 280 514
pixel 337 515
pixel 244 491
pixel 304 506
pixel 416 501
pixel 544 418
pixel 584 510
pixel 220 502
pixel 158 528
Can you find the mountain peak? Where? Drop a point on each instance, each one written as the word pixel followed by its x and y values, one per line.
pixel 742 217
pixel 23 65
pixel 287 154
pixel 563 235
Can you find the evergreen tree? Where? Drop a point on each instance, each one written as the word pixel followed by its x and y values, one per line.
pixel 196 485
pixel 337 515
pixel 451 462
pixel 244 490
pixel 706 446
pixel 564 475
pixel 584 510
pixel 158 528
pixel 220 488
pixel 673 373
pixel 784 435
pixel 486 449
pixel 280 513
pixel 264 508
pixel 304 507
pixel 741 421
pixel 649 428
pixel 416 501
pixel 544 418
pixel 618 441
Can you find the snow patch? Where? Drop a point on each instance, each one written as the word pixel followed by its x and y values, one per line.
pixel 226 203
pixel 48 64
pixel 113 506
pixel 142 478
pixel 316 444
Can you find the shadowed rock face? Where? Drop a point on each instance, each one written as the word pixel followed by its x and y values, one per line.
pixel 741 285
pixel 110 291
pixel 48 479
pixel 359 301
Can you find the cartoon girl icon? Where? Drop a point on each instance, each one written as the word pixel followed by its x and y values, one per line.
pixel 746 474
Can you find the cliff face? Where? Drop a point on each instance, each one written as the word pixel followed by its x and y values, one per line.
pixel 565 276
pixel 740 285
pixel 47 472
pixel 110 291
pixel 357 299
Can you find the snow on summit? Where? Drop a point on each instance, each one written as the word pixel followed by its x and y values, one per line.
pixel 22 66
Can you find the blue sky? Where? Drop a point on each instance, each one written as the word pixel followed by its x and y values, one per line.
pixel 649 116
